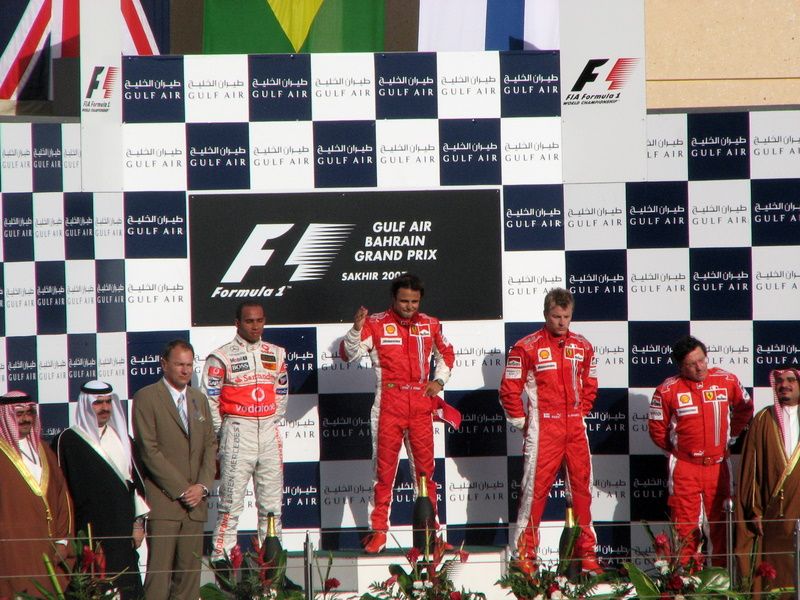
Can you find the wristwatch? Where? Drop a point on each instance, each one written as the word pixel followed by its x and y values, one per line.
pixel 440 382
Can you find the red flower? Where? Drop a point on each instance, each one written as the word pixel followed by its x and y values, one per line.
pixel 696 563
pixel 331 584
pixel 455 595
pixel 675 583
pixel 87 559
pixel 552 588
pixel 413 555
pixel 391 581
pixel 766 570
pixel 236 557
pixel 100 562
pixel 662 545
pixel 463 555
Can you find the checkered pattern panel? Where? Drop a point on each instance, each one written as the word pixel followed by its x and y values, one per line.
pixel 706 241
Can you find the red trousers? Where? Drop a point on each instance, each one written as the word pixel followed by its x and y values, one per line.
pixel 549 443
pixel 402 412
pixel 697 490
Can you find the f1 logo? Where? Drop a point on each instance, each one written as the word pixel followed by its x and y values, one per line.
pixel 313 254
pixel 108 80
pixel 253 253
pixel 617 76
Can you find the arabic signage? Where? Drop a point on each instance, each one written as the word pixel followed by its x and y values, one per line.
pixel 718 145
pixel 595 216
pixel 470 152
pixel 597 278
pixel 280 89
pixel 650 345
pixel 658 284
pixel 666 148
pixel 155 225
pixel 468 85
pixel 657 214
pixel 217 156
pixel 406 86
pixel 154 156
pixel 776 212
pixel 533 217
pixel 344 154
pixel 314 258
pixel 775 347
pixel 530 84
pixel 721 283
pixel 775 145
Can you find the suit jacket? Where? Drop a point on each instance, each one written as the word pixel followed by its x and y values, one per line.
pixel 172 459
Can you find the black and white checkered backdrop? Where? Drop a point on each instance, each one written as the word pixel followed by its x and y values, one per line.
pixel 308 182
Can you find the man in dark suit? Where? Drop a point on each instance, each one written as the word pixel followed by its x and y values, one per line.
pixel 175 438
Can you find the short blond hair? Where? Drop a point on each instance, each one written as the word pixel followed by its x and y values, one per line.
pixel 558 297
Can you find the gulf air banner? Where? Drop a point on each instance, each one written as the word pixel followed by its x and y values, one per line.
pixel 101 95
pixel 602 90
pixel 314 258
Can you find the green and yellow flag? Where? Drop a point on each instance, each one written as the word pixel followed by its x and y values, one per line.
pixel 289 26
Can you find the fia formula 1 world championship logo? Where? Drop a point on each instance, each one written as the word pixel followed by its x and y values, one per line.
pixel 101 88
pixel 607 91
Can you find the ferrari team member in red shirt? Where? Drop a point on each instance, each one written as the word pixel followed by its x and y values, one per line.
pixel 556 368
pixel 695 417
pixel 400 343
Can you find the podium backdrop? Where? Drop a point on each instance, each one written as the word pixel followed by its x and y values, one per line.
pixel 307 183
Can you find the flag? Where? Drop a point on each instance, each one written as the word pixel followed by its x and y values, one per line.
pixel 34 32
pixel 24 33
pixel 470 25
pixel 146 27
pixel 289 26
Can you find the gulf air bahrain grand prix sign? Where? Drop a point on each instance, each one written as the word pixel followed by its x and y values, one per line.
pixel 314 258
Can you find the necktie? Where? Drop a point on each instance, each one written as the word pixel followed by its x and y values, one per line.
pixel 182 412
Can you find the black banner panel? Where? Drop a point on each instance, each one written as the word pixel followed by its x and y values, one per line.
pixel 315 258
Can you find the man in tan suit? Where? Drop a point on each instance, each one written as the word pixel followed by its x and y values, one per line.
pixel 173 431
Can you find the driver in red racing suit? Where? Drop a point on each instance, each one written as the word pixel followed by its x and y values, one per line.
pixel 400 343
pixel 556 369
pixel 694 418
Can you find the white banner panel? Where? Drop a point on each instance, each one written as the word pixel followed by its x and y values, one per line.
pixel 603 91
pixel 101 101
